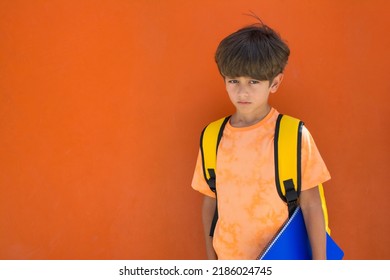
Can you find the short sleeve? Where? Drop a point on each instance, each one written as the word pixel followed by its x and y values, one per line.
pixel 198 181
pixel 314 170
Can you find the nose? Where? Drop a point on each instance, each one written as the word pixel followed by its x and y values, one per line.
pixel 242 90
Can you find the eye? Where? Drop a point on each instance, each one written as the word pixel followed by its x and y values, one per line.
pixel 232 81
pixel 253 82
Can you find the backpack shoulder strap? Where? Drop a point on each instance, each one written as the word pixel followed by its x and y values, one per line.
pixel 287 152
pixel 209 141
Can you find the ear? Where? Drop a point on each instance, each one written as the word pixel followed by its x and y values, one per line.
pixel 276 83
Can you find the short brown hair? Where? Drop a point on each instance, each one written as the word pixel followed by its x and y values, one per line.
pixel 255 51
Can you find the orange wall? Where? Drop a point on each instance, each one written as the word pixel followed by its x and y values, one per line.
pixel 102 103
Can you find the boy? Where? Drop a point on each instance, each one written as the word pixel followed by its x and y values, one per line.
pixel 251 61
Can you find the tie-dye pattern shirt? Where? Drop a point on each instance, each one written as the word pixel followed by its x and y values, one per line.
pixel 250 209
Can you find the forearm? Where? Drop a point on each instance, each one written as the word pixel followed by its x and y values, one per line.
pixel 208 209
pixel 315 222
pixel 315 225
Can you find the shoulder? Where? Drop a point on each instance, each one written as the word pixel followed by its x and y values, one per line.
pixel 287 124
pixel 288 117
pixel 218 122
pixel 216 126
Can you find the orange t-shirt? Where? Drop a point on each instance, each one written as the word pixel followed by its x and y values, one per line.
pixel 249 207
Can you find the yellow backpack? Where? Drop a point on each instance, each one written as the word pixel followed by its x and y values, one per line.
pixel 287 152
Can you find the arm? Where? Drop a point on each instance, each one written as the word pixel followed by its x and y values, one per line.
pixel 310 202
pixel 208 209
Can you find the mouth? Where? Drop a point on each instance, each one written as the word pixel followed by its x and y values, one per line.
pixel 244 102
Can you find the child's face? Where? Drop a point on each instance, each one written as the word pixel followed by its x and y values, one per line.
pixel 250 95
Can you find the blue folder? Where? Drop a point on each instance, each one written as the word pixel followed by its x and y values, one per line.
pixel 292 242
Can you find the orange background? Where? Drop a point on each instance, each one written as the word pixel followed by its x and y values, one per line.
pixel 102 104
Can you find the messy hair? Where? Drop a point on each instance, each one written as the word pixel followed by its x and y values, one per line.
pixel 255 51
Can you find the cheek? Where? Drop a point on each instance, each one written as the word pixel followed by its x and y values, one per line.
pixel 231 95
pixel 229 89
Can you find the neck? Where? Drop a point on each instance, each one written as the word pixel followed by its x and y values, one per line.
pixel 240 119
